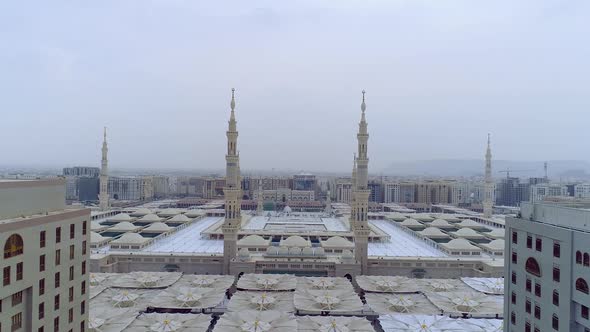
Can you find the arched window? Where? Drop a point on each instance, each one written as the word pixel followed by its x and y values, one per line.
pixel 586 259
pixel 578 257
pixel 13 246
pixel 582 285
pixel 532 267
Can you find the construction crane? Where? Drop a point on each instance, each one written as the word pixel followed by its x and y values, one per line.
pixel 508 170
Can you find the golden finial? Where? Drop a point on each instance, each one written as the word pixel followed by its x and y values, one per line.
pixel 233 100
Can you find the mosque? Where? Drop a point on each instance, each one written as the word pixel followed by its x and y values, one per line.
pixel 338 242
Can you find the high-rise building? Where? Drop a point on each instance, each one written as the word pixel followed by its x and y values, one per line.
pixel 547 269
pixel 582 190
pixel 304 181
pixel 45 269
pixel 376 188
pixel 232 192
pixel 540 191
pixel 360 195
pixel 391 192
pixel 343 191
pixel 91 172
pixel 510 192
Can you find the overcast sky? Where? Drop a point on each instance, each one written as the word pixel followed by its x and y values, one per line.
pixel 439 76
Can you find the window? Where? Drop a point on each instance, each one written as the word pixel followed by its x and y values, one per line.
pixel 84 227
pixel 13 246
pixel 71 273
pixel 72 231
pixel 71 315
pixel 71 294
pixel 578 257
pixel 57 279
pixel 58 235
pixel 556 298
pixel 513 318
pixel 72 252
pixel 532 267
pixel 83 287
pixel 6 276
pixel 527 327
pixel 56 302
pixel 556 274
pixel 527 306
pixel 42 239
pixel 82 326
pixel 537 311
pixel 556 249
pixel 584 312
pixel 19 271
pixel 537 329
pixel 537 289
pixel 83 247
pixel 56 324
pixel 529 242
pixel 41 263
pixel 514 258
pixel 41 286
pixel 514 237
pixel 555 322
pixel 514 278
pixel 528 285
pixel 57 257
pixel 17 321
pixel 41 329
pixel 513 296
pixel 539 244
pixel 41 310
pixel 582 285
pixel 84 268
pixel 586 259
pixel 17 298
pixel 82 308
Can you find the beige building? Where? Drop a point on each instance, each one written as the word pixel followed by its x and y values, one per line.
pixel 44 267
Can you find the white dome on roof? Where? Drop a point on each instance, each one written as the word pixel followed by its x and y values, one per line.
pixel 469 223
pixel 158 227
pixel 124 226
pixel 132 238
pixel 440 223
pixel 411 222
pixel 243 253
pixel 432 231
pixel 287 209
pixel 179 218
pixel 295 241
pixel 121 217
pixel 141 212
pixel 97 238
pixel 294 251
pixel 150 218
pixel 467 232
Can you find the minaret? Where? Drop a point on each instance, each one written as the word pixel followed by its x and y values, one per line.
pixel 260 206
pixel 361 192
pixel 353 179
pixel 328 203
pixel 488 201
pixel 232 192
pixel 103 196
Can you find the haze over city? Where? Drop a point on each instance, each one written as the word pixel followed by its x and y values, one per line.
pixel 439 76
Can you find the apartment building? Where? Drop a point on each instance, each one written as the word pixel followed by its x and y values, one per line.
pixel 547 269
pixel 44 267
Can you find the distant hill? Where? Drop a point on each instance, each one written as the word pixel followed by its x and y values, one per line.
pixel 474 167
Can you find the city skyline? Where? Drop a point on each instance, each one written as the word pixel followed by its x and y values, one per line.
pixel 436 84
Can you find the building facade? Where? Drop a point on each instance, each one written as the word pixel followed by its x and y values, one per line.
pixel 45 269
pixel 547 269
pixel 540 191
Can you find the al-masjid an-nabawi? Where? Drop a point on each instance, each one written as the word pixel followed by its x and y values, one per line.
pixel 343 240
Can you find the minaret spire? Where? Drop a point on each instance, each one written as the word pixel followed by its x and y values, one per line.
pixel 488 183
pixel 361 192
pixel 103 196
pixel 232 191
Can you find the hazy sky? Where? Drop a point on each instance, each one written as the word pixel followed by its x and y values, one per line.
pixel 439 75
